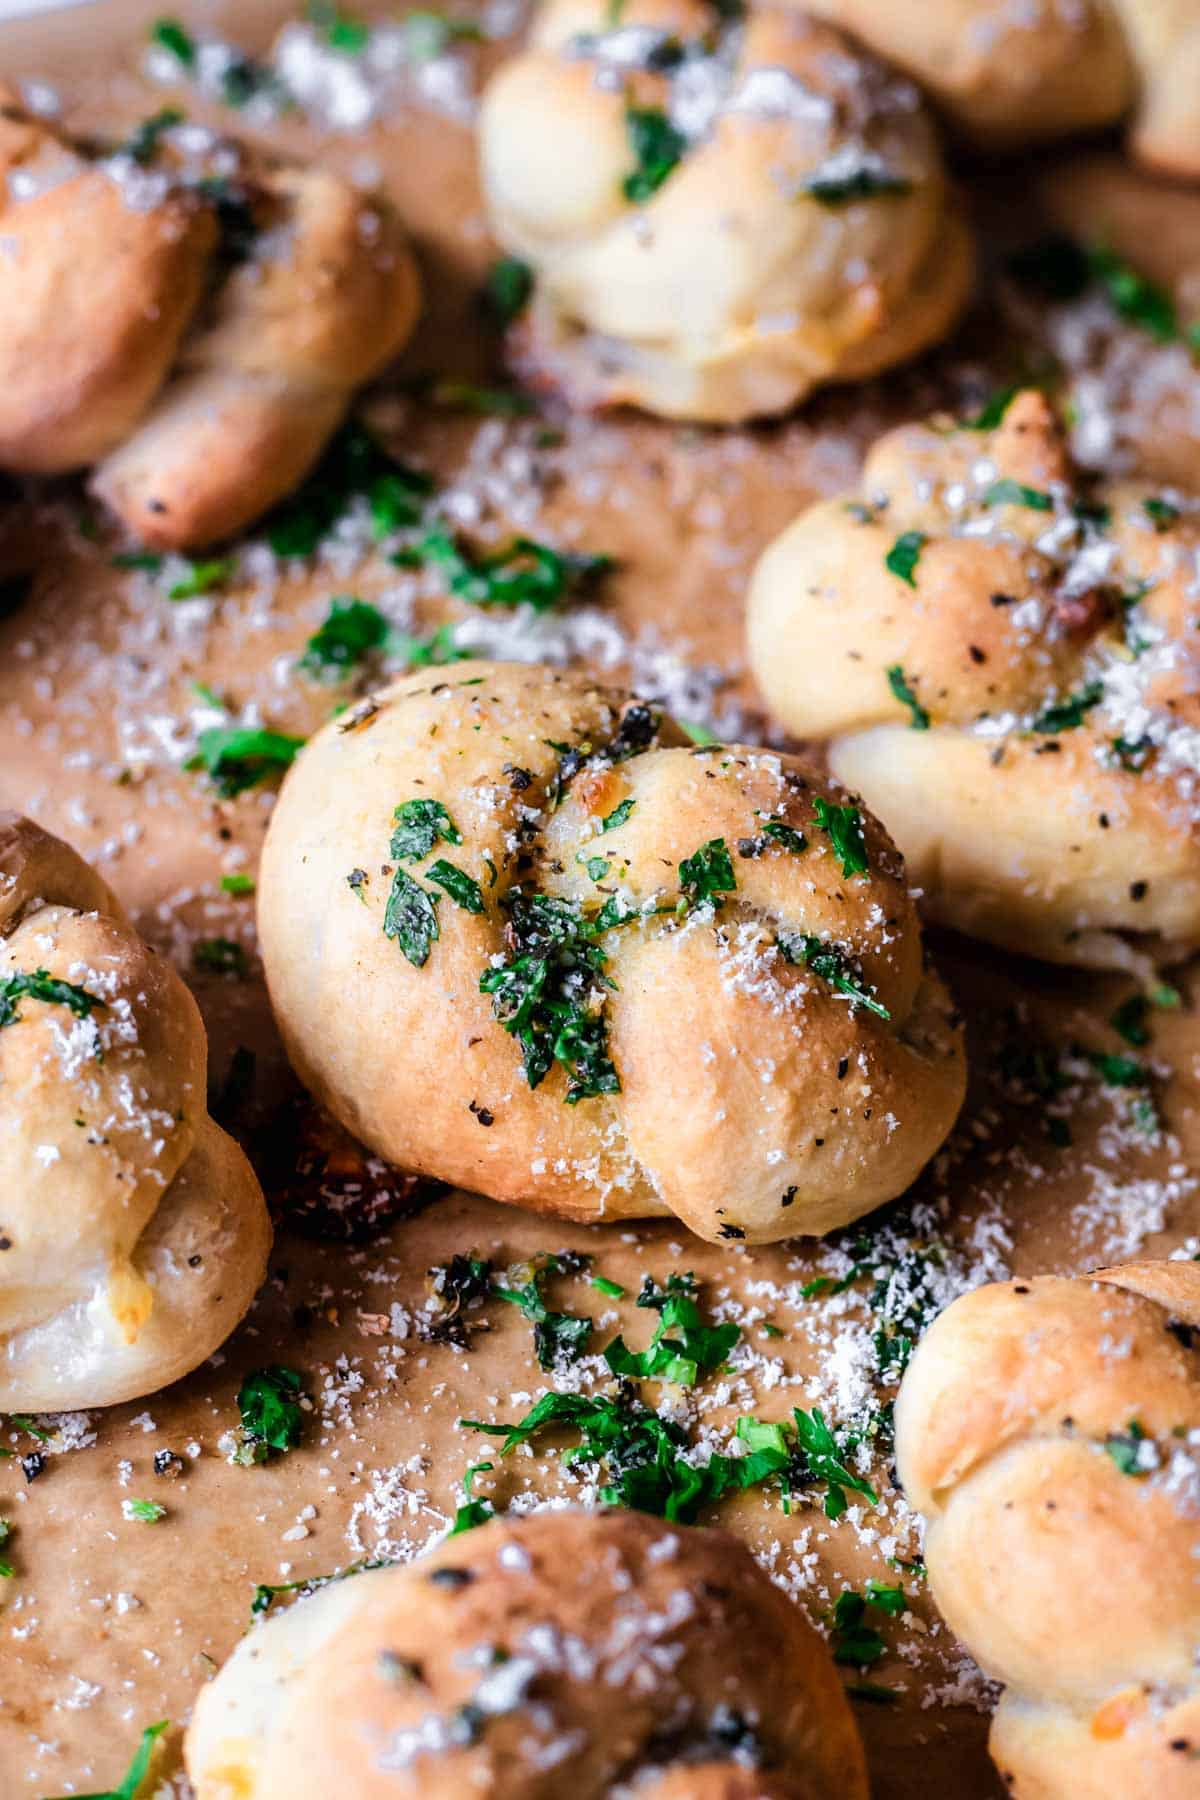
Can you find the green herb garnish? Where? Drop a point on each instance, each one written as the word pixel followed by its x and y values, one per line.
pixel 845 830
pixel 919 720
pixel 549 994
pixel 237 757
pixel 352 629
pixel 833 965
pixel 201 578
pixel 657 148
pixel 863 184
pixel 419 825
pixel 991 413
pixel 558 1337
pixel 904 555
pixel 617 816
pixel 1068 714
pixel 237 884
pixel 462 888
pixel 1161 513
pixel 147 1512
pixel 682 1344
pixel 39 984
pixel 139 1768
pixel 354 467
pixel 410 917
pixel 1124 1449
pixel 220 956
pixel 271 1414
pixel 708 873
pixel 142 143
pixel 508 288
pixel 786 835
pixel 170 35
pixel 1008 492
pixel 472 1512
pixel 525 574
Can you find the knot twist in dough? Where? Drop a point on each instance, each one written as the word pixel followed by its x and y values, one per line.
pixel 520 936
pixel 591 1654
pixel 1049 1431
pixel 192 324
pixel 721 216
pixel 1015 75
pixel 1005 666
pixel 133 1232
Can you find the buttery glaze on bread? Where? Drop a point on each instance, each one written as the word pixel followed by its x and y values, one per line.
pixel 1049 1431
pixel 593 1654
pixel 1014 75
pixel 1004 665
pixel 723 1058
pixel 134 1232
pixel 806 234
pixel 204 393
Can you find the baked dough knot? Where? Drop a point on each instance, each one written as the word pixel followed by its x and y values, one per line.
pixel 522 936
pixel 1049 1431
pixel 1003 662
pixel 1013 75
pixel 133 1232
pixel 722 214
pixel 187 317
pixel 590 1654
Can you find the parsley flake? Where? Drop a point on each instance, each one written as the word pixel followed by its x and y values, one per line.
pixel 1068 714
pixel 268 1401
pixel 39 984
pixel 548 994
pixel 410 917
pixel 919 719
pixel 352 629
pixel 508 288
pixel 237 757
pixel 420 824
pixel 1008 492
pixel 845 830
pixel 904 555
pixel 148 1512
pixel 863 184
pixel 833 965
pixel 657 147
pixel 682 1344
pixel 708 873
pixel 462 888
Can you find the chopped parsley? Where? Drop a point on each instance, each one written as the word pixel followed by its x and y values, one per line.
pixel 201 578
pixel 558 1337
pixel 237 757
pixel 462 888
pixel 1068 714
pixel 1161 513
pixel 454 1288
pixel 6 1569
pixel 490 402
pixel 844 827
pixel 1129 1020
pixel 657 149
pixel 1008 492
pixel 39 984
pixel 548 994
pixel 645 1455
pixel 432 651
pixel 919 719
pixel 142 143
pixel 863 184
pixel 419 825
pixel 682 1344
pixel 1133 298
pixel 410 917
pixel 1125 1449
pixel 617 816
pixel 1060 269
pixel 170 35
pixel 833 965
pixel 708 873
pixel 428 35
pixel 139 1768
pixel 148 1512
pixel 526 573
pixel 855 1640
pixel 904 555
pixel 991 413
pixel 508 288
pixel 220 956
pixel 268 1401
pixel 472 1512
pixel 786 835
pixel 354 467
pixel 237 884
pixel 352 629
pixel 603 1285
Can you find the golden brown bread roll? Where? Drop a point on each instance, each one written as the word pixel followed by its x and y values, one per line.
pixel 722 217
pixel 1014 75
pixel 327 297
pixel 511 865
pixel 1004 665
pixel 133 1232
pixel 98 283
pixel 1049 1430
pixel 591 1654
pixel 203 392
